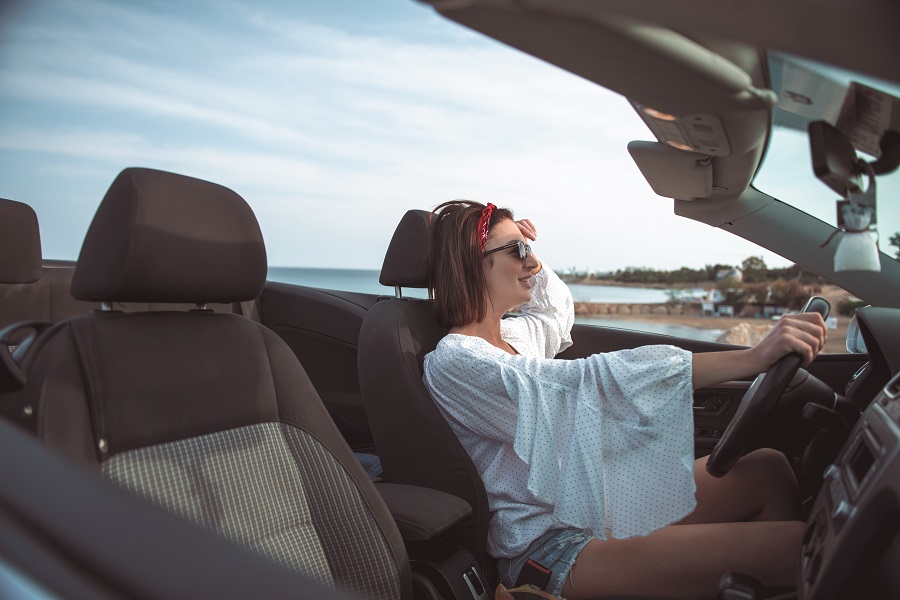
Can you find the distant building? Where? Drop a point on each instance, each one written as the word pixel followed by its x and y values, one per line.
pixel 734 274
pixel 713 295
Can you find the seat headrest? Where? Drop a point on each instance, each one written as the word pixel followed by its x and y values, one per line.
pixel 162 237
pixel 406 260
pixel 20 243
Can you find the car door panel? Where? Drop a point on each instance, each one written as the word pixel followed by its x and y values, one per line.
pixel 591 339
pixel 322 329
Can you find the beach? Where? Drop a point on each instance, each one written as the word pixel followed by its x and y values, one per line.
pixel 836 337
pixel 685 315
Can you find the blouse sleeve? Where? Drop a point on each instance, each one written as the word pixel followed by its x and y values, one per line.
pixel 608 439
pixel 546 320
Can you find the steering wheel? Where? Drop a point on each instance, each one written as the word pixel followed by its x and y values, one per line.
pixel 757 404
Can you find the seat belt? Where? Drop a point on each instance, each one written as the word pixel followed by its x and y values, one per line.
pixel 11 375
pixel 247 309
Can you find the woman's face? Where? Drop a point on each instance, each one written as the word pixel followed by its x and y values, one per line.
pixel 508 276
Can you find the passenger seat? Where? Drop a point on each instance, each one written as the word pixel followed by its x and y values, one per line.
pixel 210 414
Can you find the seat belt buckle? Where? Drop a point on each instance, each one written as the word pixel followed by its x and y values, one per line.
pixel 534 573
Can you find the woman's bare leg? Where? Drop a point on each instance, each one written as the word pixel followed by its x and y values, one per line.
pixel 744 522
pixel 760 487
pixel 687 561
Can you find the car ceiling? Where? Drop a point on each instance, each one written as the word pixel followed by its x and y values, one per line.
pixel 691 57
pixel 859 35
pixel 702 57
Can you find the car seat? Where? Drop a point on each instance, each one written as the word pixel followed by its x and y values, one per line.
pixel 414 441
pixel 67 533
pixel 207 414
pixel 20 260
pixel 31 289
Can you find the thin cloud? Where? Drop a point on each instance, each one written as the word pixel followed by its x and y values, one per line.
pixel 316 124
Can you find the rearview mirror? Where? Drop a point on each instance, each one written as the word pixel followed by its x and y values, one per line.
pixel 833 158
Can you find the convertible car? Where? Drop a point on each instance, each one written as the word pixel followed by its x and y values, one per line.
pixel 176 426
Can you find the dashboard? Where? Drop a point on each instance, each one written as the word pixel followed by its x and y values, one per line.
pixel 851 548
pixel 876 331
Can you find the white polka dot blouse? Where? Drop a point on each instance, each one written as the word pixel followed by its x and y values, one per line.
pixel 603 443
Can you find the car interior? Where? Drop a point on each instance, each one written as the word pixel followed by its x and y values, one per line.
pixel 174 425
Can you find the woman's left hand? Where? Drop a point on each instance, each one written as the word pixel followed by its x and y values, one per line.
pixel 803 333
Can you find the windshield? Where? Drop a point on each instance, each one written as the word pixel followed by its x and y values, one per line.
pixel 332 119
pixel 808 91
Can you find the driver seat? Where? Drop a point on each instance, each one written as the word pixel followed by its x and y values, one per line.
pixel 414 441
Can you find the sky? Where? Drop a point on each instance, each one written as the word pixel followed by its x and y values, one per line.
pixel 331 119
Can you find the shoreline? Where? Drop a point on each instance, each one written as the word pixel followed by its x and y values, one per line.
pixel 834 344
pixel 688 314
pixel 628 284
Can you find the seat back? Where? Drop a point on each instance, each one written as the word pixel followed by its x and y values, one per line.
pixel 20 243
pixel 37 289
pixel 20 270
pixel 207 414
pixel 413 440
pixel 30 289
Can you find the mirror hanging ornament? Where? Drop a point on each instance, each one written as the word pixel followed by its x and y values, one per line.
pixel 857 233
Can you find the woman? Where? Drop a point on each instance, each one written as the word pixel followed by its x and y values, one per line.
pixel 588 463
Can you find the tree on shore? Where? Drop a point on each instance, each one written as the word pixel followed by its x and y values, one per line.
pixel 895 242
pixel 733 293
pixel 757 293
pixel 754 269
pixel 759 285
pixel 789 292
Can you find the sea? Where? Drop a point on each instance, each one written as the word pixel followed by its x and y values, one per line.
pixel 366 281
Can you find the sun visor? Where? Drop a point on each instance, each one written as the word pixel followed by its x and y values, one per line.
pixel 673 173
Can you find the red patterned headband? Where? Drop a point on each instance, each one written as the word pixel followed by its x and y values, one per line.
pixel 484 223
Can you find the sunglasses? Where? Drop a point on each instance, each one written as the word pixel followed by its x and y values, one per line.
pixel 523 248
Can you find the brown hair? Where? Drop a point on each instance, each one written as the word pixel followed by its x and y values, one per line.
pixel 457 271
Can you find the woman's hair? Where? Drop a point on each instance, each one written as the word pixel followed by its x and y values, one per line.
pixel 455 256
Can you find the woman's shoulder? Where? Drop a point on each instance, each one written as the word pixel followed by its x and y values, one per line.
pixel 461 357
pixel 455 347
pixel 453 344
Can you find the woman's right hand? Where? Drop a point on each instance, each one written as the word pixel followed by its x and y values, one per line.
pixel 527 228
pixel 529 231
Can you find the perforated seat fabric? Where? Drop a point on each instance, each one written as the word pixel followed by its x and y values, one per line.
pixel 274 487
pixel 211 416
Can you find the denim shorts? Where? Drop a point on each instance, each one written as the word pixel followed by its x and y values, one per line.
pixel 557 550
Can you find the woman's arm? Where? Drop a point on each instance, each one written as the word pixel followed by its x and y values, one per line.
pixel 801 333
pixel 547 318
